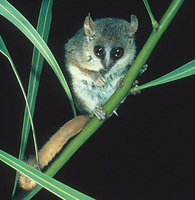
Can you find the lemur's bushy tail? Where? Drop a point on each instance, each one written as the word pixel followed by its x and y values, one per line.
pixel 52 147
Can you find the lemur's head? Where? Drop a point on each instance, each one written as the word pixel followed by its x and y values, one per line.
pixel 111 41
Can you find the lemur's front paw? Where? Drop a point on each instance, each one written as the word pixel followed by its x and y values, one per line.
pixel 98 112
pixel 98 79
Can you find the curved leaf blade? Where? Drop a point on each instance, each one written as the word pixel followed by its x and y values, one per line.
pixel 5 52
pixel 43 28
pixel 15 17
pixel 182 72
pixel 54 186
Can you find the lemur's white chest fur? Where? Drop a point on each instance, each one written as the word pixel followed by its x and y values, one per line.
pixel 93 95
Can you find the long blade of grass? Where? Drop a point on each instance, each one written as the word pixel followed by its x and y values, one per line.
pixel 43 28
pixel 182 72
pixel 5 52
pixel 54 186
pixel 15 17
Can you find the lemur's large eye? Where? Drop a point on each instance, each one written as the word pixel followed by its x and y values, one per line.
pixel 117 53
pixel 98 51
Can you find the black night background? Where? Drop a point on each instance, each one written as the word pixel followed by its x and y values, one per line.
pixel 147 152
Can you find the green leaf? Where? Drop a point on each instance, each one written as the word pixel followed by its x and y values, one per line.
pixel 182 72
pixel 43 28
pixel 45 181
pixel 15 17
pixel 5 52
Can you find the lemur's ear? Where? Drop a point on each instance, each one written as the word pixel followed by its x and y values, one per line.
pixel 89 26
pixel 133 24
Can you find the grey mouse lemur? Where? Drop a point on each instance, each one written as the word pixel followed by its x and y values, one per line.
pixel 96 58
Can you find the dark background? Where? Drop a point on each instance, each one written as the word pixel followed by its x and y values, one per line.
pixel 148 151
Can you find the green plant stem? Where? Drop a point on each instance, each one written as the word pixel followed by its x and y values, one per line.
pixel 116 98
pixel 143 56
pixel 155 24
